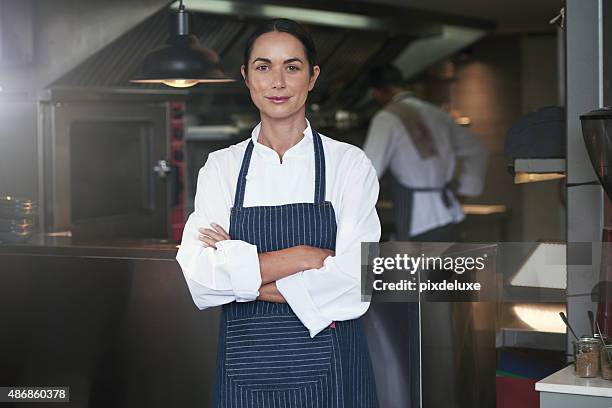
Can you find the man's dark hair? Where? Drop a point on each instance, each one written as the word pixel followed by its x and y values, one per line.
pixel 385 76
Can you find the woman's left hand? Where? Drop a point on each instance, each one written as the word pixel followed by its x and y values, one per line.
pixel 269 292
pixel 210 236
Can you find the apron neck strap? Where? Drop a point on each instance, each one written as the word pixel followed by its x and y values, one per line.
pixel 319 195
pixel 244 169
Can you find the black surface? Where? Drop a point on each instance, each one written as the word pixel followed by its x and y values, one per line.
pixel 115 322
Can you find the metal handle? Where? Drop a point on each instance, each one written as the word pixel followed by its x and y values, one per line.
pixel 162 168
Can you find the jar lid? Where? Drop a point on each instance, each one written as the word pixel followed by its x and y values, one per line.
pixel 588 340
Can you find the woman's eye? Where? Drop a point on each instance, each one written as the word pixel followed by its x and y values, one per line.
pixel 261 67
pixel 293 68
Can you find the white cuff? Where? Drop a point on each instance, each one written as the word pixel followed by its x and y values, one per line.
pixel 295 293
pixel 239 260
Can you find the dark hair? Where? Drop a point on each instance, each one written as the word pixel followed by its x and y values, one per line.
pixel 283 25
pixel 385 77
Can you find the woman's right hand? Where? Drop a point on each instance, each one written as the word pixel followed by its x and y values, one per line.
pixel 314 257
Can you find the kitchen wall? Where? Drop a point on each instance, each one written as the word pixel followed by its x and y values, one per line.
pixel 495 83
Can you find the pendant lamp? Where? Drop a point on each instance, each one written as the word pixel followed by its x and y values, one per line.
pixel 183 61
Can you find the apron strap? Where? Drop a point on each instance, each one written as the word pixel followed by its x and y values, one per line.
pixel 319 195
pixel 319 168
pixel 403 205
pixel 446 192
pixel 415 127
pixel 244 169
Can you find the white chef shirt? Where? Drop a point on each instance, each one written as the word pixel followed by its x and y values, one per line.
pixel 317 296
pixel 389 146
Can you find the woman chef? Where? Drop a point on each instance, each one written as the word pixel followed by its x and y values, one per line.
pixel 297 206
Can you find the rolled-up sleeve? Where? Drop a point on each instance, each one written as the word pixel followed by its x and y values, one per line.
pixel 231 272
pixel 333 293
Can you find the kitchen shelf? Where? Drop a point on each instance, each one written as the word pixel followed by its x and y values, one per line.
pixel 532 339
pixel 539 165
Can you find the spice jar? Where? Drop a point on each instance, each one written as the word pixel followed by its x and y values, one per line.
pixel 586 357
pixel 606 362
pixel 607 339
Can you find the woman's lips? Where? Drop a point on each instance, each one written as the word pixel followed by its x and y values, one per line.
pixel 278 99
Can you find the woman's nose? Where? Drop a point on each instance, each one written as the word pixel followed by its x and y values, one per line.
pixel 279 79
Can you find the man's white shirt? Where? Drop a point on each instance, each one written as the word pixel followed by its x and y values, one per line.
pixel 389 147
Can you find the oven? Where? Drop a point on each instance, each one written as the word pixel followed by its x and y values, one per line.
pixel 106 166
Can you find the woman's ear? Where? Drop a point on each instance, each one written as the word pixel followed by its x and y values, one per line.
pixel 244 75
pixel 313 78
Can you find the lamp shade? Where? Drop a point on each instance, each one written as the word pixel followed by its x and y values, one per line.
pixel 539 134
pixel 183 61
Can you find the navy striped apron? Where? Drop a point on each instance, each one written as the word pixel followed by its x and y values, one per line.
pixel 266 357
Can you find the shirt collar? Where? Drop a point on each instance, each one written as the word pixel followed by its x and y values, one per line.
pixel 402 95
pixel 304 146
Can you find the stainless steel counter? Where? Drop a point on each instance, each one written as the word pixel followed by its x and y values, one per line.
pixel 112 320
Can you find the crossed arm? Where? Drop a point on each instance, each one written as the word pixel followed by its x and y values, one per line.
pixel 273 265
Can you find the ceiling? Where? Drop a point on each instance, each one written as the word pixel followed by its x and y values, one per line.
pixel 511 15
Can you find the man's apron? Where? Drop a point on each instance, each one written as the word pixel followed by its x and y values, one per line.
pixel 266 357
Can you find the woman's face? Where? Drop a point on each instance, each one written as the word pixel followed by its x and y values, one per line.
pixel 278 75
